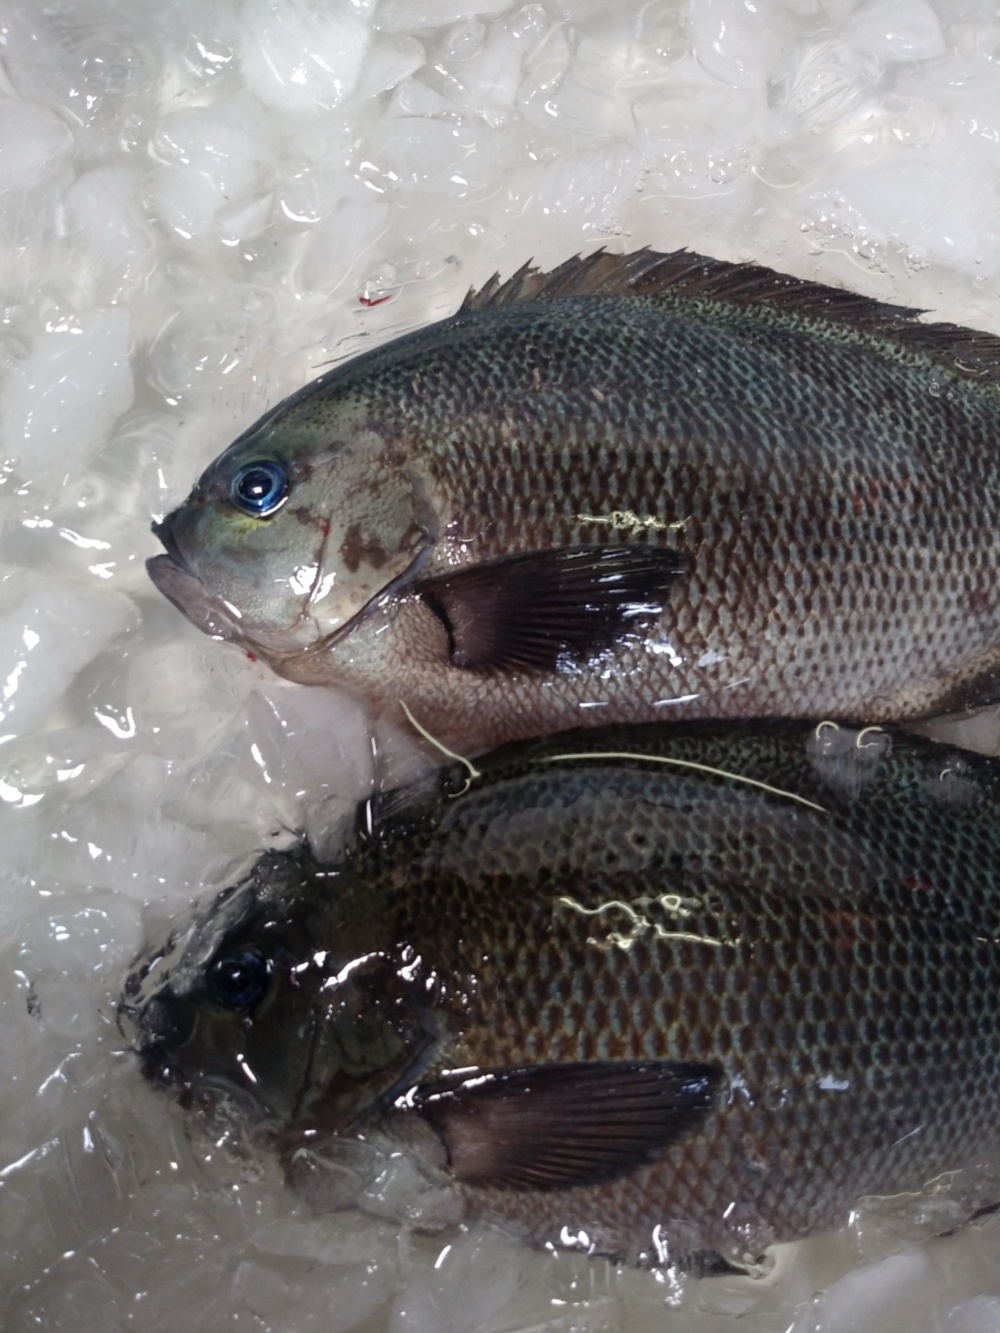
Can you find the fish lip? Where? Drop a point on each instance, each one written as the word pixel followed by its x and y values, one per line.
pixel 163 530
pixel 185 590
pixel 167 1074
pixel 213 1088
pixel 157 1069
pixel 207 1089
pixel 127 1022
pixel 173 576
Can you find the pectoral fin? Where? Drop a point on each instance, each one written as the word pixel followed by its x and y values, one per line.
pixel 560 1125
pixel 530 612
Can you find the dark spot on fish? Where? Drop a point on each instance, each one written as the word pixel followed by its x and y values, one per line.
pixel 33 1003
pixel 392 456
pixel 917 884
pixel 306 517
pixel 848 929
pixel 357 547
pixel 980 600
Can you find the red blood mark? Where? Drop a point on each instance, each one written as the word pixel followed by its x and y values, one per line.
pixel 369 301
pixel 980 600
pixel 917 884
pixel 873 492
pixel 861 501
pixel 252 657
pixel 847 928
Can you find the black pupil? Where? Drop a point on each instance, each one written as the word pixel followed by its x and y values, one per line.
pixel 238 979
pixel 260 486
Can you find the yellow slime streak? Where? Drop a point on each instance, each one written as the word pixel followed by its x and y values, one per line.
pixel 441 747
pixel 688 763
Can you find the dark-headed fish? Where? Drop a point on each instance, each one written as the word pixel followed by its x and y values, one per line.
pixel 643 990
pixel 627 490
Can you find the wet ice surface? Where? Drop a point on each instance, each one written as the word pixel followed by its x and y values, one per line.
pixel 202 203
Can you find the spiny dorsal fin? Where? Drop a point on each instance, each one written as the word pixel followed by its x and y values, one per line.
pixel 684 276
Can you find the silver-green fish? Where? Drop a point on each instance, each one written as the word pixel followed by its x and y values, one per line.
pixel 632 489
pixel 652 992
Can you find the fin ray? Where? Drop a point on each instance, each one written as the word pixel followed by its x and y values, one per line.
pixel 528 612
pixel 683 275
pixel 557 1126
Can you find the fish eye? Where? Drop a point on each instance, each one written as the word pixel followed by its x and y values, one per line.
pixel 259 488
pixel 238 979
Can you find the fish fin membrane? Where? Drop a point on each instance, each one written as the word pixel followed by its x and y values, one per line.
pixel 685 277
pixel 557 1126
pixel 536 611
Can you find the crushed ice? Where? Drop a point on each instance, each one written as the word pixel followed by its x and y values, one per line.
pixel 202 203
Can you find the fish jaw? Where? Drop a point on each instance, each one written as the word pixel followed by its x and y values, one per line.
pixel 264 609
pixel 366 1028
pixel 355 520
pixel 187 592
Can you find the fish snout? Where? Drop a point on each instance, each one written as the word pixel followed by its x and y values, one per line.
pixel 154 1030
pixel 164 531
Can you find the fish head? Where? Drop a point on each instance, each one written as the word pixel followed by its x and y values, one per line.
pixel 246 1005
pixel 293 531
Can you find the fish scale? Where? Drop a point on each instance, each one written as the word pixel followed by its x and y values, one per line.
pixel 806 921
pixel 818 471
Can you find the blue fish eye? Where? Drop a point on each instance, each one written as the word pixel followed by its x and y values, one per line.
pixel 259 487
pixel 238 979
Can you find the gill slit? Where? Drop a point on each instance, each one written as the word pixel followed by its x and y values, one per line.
pixel 318 577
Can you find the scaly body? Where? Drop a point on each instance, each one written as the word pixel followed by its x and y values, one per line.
pixel 813 479
pixel 651 1004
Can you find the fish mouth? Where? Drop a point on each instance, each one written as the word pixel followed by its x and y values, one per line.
pixel 157 1030
pixel 154 1026
pixel 163 530
pixel 186 591
pixel 173 576
pixel 179 584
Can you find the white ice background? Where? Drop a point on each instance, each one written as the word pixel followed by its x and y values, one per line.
pixel 201 203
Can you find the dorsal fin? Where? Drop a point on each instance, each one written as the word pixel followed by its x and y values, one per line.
pixel 685 276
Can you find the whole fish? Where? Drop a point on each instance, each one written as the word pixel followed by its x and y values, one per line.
pixel 630 489
pixel 650 992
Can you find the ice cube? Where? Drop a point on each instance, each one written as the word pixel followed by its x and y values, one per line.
pixel 888 1294
pixel 46 639
pixel 737 43
pixel 897 30
pixel 109 232
pixel 210 162
pixel 979 1314
pixel 302 56
pixel 35 145
pixel 61 400
pixel 416 15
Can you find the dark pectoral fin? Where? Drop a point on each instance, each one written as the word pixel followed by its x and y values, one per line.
pixel 527 612
pixel 560 1125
